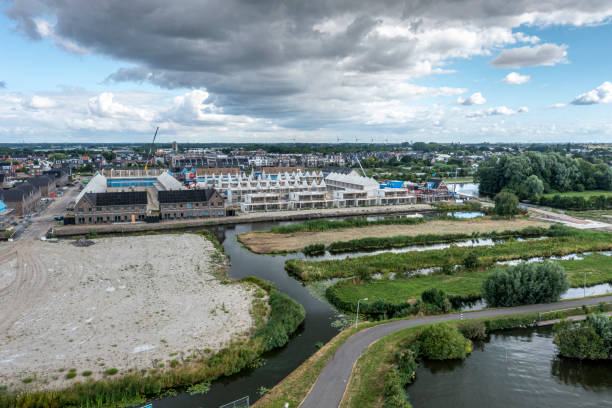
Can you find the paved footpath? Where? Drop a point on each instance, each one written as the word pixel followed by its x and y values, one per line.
pixel 331 384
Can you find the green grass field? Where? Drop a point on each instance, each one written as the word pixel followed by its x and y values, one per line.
pixel 579 242
pixel 584 194
pixel 597 266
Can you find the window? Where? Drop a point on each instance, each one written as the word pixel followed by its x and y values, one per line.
pixel 220 213
pixel 98 208
pixel 188 205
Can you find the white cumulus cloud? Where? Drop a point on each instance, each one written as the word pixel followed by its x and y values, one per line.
pixel 39 102
pixel 601 94
pixel 514 78
pixel 474 99
pixel 104 106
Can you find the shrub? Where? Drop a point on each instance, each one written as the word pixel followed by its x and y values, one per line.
pixel 86 373
pixel 579 340
pixel 70 375
pixel 111 371
pixel 442 341
pixel 437 298
pixel 506 204
pixel 314 250
pixel 603 327
pixel 525 284
pixel 470 260
pixel 473 329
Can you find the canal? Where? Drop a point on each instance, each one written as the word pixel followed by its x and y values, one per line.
pixel 513 368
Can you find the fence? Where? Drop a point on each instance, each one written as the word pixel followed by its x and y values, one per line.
pixel 239 403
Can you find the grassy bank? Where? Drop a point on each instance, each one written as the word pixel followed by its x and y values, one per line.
pixel 374 244
pixel 294 388
pixel 392 235
pixel 583 194
pixel 579 241
pixel 275 322
pixel 327 225
pixel 366 386
pixel 400 293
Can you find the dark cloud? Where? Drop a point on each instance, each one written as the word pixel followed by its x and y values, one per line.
pixel 278 57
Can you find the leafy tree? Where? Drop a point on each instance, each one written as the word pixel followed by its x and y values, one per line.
pixel 506 204
pixel 437 298
pixel 579 340
pixel 603 327
pixel 524 284
pixel 443 342
pixel 533 187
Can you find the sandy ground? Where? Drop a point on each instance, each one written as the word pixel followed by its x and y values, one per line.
pixel 266 242
pixel 125 303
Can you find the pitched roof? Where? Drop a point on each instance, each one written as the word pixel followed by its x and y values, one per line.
pixel 185 196
pixel 11 195
pixel 41 180
pixel 117 198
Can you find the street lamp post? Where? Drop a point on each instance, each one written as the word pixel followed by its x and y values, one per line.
pixel 357 316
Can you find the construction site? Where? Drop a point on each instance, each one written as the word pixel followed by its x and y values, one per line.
pixel 125 303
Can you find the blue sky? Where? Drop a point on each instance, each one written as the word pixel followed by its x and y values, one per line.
pixel 96 75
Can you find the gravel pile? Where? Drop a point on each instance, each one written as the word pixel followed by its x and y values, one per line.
pixel 82 242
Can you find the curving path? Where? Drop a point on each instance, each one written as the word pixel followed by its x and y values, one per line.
pixel 330 386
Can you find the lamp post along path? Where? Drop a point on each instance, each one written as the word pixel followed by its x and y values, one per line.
pixel 357 316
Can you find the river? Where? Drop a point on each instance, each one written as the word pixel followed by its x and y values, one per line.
pixel 514 368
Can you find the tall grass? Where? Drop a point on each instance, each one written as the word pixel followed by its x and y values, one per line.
pixel 285 317
pixel 327 225
pixel 577 241
pixel 399 241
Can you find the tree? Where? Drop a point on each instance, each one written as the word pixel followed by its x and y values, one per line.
pixel 437 298
pixel 506 204
pixel 525 284
pixel 533 187
pixel 443 342
pixel 579 340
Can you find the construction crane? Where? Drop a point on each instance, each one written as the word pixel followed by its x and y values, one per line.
pixel 152 146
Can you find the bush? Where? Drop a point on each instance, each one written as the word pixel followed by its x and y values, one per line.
pixel 525 284
pixel 506 204
pixel 579 340
pixel 470 261
pixel 437 298
pixel 314 250
pixel 111 371
pixel 442 341
pixel 473 329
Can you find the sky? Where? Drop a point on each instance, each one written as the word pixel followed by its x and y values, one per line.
pixel 316 71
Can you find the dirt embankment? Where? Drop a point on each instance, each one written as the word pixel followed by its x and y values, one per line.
pixel 267 242
pixel 124 303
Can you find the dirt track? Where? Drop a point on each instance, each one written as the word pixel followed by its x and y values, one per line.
pixel 125 303
pixel 266 242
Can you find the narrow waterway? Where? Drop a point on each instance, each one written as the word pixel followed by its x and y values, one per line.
pixel 514 368
pixel 279 363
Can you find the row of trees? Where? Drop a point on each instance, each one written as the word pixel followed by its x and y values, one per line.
pixel 531 174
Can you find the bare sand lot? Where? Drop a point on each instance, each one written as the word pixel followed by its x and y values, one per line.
pixel 267 242
pixel 124 303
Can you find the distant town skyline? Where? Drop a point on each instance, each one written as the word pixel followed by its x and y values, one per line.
pixel 317 71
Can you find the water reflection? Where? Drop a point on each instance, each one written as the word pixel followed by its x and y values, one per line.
pixel 515 368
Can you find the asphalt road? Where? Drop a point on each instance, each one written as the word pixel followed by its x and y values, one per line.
pixel 42 222
pixel 327 392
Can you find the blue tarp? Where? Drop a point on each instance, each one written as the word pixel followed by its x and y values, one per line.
pixel 2 206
